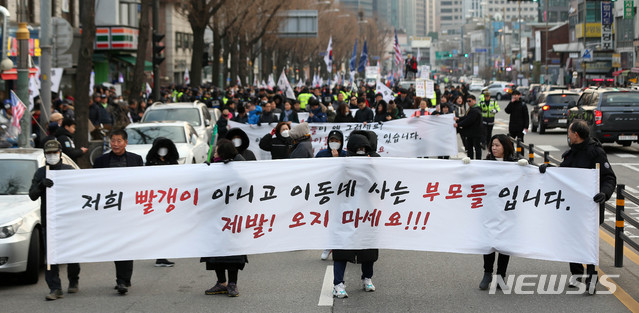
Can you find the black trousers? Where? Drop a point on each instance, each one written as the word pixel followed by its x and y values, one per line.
pixel 502 263
pixel 488 132
pixel 233 271
pixel 519 135
pixel 473 147
pixel 53 276
pixel 123 272
pixel 578 269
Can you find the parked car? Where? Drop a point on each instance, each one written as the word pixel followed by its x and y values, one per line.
pixel 611 113
pixel 499 90
pixel 195 113
pixel 476 85
pixel 552 110
pixel 21 246
pixel 190 146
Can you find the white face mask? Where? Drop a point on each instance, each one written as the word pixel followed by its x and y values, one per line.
pixel 334 145
pixel 237 142
pixel 52 159
pixel 285 134
pixel 361 152
pixel 163 151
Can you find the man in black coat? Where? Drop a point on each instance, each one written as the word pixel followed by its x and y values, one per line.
pixel 39 185
pixel 518 124
pixel 364 114
pixel 64 135
pixel 119 157
pixel 471 129
pixel 586 152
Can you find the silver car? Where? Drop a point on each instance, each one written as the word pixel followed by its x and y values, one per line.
pixel 195 113
pixel 21 246
pixel 191 147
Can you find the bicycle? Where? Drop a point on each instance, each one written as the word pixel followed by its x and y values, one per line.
pixel 102 149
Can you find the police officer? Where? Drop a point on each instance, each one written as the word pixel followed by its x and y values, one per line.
pixel 586 152
pixel 488 108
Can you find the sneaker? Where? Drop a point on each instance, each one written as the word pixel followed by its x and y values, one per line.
pixel 73 288
pixel 367 284
pixel 574 281
pixel 163 263
pixel 217 289
pixel 54 295
pixel 339 291
pixel 121 289
pixel 325 254
pixel 232 290
pixel 485 281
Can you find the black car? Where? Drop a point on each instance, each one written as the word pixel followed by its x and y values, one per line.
pixel 552 110
pixel 611 113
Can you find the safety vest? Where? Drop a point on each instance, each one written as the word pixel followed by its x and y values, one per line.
pixel 303 98
pixel 225 100
pixel 487 108
pixel 481 98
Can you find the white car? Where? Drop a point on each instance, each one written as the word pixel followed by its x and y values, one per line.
pixel 195 113
pixel 21 246
pixel 191 147
pixel 476 85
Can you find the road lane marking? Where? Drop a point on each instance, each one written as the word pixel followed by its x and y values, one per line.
pixel 632 167
pixel 547 148
pixel 626 252
pixel 326 294
pixel 622 295
pixel 624 155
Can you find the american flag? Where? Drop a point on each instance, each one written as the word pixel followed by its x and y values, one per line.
pixel 398 52
pixel 17 110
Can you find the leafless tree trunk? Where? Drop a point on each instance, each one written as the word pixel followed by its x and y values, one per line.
pixel 137 83
pixel 83 78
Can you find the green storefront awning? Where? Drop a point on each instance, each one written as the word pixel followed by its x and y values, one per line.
pixel 148 66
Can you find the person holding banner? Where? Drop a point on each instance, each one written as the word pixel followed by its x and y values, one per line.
pixel 364 114
pixel 423 110
pixel 225 151
pixel 119 157
pixel 38 190
pixel 381 112
pixel 278 141
pixel 501 149
pixel 241 141
pixel 344 114
pixel 471 129
pixel 587 152
pixel 358 145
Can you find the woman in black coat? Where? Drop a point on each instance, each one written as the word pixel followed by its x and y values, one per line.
pixel 225 152
pixel 278 142
pixel 344 114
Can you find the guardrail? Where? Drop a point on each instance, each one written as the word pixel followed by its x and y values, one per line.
pixel 619 210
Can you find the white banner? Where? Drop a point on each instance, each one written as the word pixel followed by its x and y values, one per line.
pixel 420 88
pixel 408 137
pixel 185 211
pixel 56 78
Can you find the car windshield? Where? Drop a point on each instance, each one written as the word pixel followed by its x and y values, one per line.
pixel 620 99
pixel 146 135
pixel 561 99
pixel 174 114
pixel 16 175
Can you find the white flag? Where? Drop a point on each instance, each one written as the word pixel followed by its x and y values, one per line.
pixel 285 86
pixel 56 78
pixel 91 83
pixel 263 85
pixel 238 81
pixel 255 82
pixel 34 91
pixel 148 90
pixel 328 58
pixel 300 84
pixel 187 78
pixel 271 82
pixel 386 92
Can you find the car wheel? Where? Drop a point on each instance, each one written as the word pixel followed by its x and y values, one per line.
pixel 498 96
pixel 542 128
pixel 32 274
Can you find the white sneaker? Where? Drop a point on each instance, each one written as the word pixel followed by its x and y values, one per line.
pixel 325 254
pixel 367 283
pixel 339 291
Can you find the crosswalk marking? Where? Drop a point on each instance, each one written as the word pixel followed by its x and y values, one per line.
pixel 624 155
pixel 632 167
pixel 326 294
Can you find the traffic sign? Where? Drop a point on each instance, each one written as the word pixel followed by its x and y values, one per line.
pixel 63 61
pixel 586 54
pixel 63 34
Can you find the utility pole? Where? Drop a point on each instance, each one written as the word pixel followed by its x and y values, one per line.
pixel 45 62
pixel 22 35
pixel 546 43
pixel 157 50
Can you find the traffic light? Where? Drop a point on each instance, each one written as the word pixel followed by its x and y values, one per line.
pixel 465 55
pixel 158 47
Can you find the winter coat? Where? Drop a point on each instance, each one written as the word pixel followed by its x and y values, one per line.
pixel 292 117
pixel 371 140
pixel 268 118
pixel 243 148
pixel 519 118
pixel 104 161
pixel 152 157
pixel 318 116
pixel 302 149
pixel 348 118
pixel 586 155
pixel 254 116
pixel 471 124
pixel 68 146
pixel 38 190
pixel 364 115
pixel 327 153
pixel 279 146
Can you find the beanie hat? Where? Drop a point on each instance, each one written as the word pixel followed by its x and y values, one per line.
pixel 300 130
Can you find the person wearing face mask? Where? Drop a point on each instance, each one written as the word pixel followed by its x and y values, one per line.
pixel 38 190
pixel 335 146
pixel 163 152
pixel 301 135
pixel 241 141
pixel 278 141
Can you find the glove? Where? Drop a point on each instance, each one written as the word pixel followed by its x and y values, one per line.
pixel 543 167
pixel 273 132
pixel 522 162
pixel 466 160
pixel 599 198
pixel 47 183
pixel 493 111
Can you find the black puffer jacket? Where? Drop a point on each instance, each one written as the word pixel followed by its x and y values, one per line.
pixel 38 190
pixel 152 157
pixel 371 136
pixel 471 124
pixel 279 146
pixel 243 148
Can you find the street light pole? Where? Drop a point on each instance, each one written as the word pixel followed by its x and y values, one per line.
pixel 22 35
pixel 546 42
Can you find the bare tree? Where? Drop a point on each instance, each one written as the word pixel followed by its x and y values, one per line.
pixel 137 83
pixel 83 76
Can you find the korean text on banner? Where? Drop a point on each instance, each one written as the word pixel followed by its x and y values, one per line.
pixel 335 203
